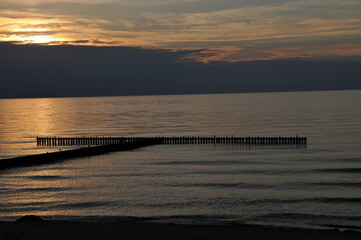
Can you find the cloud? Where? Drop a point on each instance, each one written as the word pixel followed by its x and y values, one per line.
pixel 215 54
pixel 212 25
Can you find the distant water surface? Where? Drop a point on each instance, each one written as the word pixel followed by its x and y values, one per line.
pixel 313 186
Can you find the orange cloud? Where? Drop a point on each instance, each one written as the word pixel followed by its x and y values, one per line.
pixel 214 54
pixel 315 52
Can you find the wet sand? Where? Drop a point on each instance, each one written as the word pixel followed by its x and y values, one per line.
pixel 68 230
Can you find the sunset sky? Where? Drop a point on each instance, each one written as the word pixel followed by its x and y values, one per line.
pixel 52 48
pixel 223 30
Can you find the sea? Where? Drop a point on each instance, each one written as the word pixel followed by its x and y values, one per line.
pixel 313 186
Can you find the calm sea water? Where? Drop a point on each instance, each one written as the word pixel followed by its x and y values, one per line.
pixel 310 187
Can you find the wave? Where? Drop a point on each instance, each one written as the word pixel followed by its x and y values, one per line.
pixel 336 184
pixel 305 216
pixel 211 162
pixel 220 185
pixel 142 174
pixel 45 189
pixel 241 185
pixel 340 170
pixel 101 218
pixel 20 209
pixel 47 177
pixel 82 205
pixel 303 200
pixel 35 189
pixel 353 227
pixel 327 159
pixel 323 185
pixel 166 219
pixel 280 172
pixel 230 203
pixel 14 207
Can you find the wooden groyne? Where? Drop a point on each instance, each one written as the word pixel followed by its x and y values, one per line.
pixel 75 153
pixel 102 145
pixel 88 141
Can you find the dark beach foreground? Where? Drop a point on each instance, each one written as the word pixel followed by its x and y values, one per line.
pixel 38 229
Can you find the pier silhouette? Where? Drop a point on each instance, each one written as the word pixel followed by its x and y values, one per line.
pixel 103 145
pixel 88 141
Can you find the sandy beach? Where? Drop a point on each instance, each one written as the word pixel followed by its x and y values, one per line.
pixel 148 230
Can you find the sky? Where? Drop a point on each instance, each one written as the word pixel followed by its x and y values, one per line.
pixel 193 33
pixel 227 30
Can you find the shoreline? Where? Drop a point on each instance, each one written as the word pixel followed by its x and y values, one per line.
pixel 187 220
pixel 36 228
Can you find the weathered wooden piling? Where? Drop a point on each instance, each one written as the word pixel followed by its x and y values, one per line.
pixel 110 144
pixel 90 141
pixel 75 153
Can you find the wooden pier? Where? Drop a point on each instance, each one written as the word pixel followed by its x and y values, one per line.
pixel 103 145
pixel 52 157
pixel 98 141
